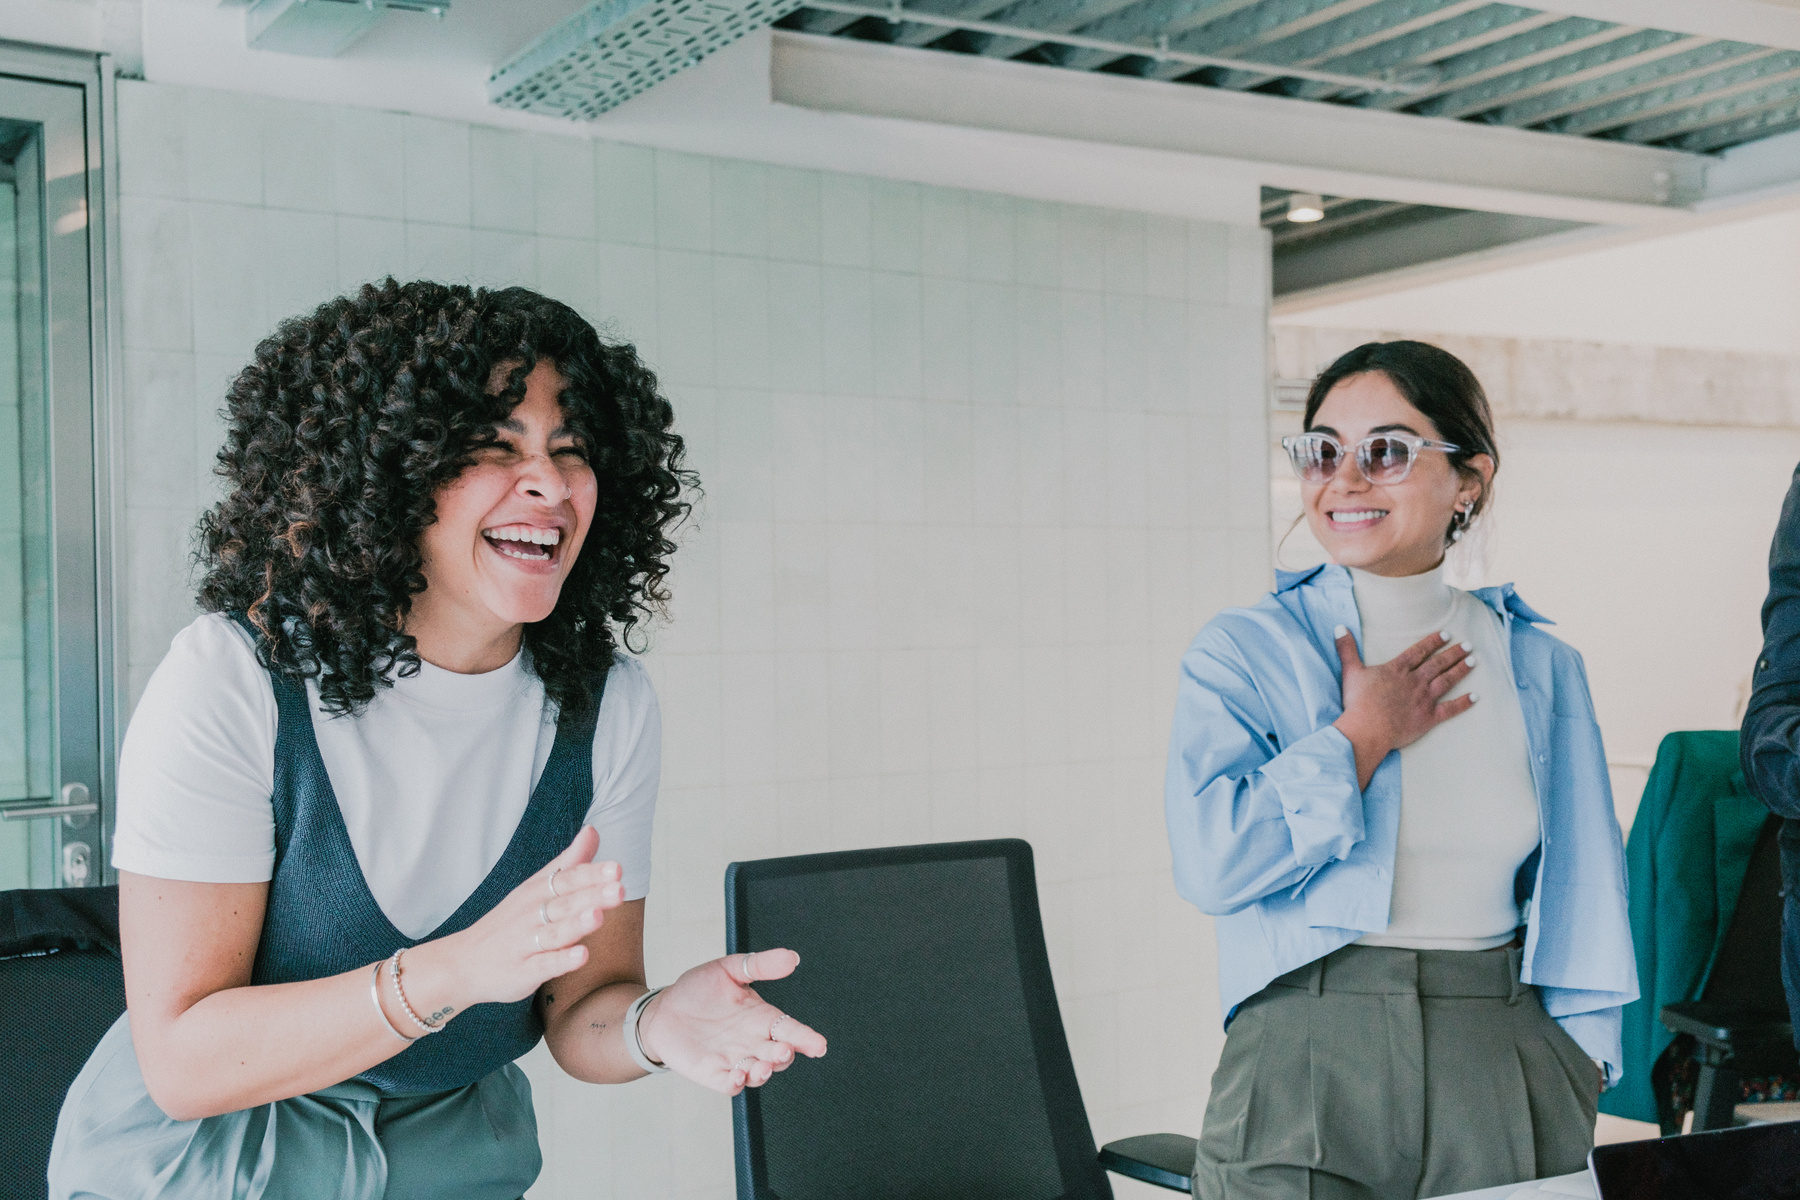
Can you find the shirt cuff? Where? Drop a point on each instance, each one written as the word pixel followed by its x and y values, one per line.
pixel 1315 780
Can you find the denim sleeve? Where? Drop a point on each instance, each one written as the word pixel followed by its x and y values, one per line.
pixel 1247 819
pixel 1771 732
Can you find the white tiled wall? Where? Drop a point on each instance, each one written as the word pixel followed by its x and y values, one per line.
pixel 976 468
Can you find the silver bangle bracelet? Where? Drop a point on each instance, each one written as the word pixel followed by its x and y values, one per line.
pixel 634 1046
pixel 375 997
pixel 400 995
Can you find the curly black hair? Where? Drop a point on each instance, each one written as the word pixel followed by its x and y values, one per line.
pixel 349 420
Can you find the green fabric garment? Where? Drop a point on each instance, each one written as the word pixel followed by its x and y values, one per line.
pixel 346 1142
pixel 1377 1073
pixel 1689 848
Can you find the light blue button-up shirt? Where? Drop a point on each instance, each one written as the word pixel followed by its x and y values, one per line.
pixel 1272 835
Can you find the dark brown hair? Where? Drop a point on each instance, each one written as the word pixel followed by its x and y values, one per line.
pixel 350 418
pixel 1435 382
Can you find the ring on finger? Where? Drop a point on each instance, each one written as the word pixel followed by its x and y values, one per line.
pixel 554 894
pixel 536 942
pixel 742 1065
pixel 748 977
pixel 774 1025
pixel 544 913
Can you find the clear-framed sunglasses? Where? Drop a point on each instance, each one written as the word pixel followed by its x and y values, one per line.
pixel 1381 457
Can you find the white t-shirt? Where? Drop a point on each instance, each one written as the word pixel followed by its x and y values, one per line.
pixel 432 778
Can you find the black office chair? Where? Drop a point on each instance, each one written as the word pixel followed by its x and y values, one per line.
pixel 61 988
pixel 949 1073
pixel 1735 1043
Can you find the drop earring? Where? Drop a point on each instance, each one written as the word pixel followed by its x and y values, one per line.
pixel 1459 524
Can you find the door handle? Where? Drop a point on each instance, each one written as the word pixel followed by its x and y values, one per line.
pixel 75 807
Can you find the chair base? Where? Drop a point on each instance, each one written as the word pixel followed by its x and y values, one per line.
pixel 1164 1159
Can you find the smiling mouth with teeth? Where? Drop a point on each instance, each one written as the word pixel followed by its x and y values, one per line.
pixel 1362 516
pixel 525 542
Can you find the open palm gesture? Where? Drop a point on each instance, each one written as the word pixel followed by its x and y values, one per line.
pixel 710 1026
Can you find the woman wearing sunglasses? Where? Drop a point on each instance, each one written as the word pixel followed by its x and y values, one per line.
pixel 1392 795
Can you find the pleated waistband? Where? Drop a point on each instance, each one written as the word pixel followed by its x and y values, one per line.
pixel 1388 971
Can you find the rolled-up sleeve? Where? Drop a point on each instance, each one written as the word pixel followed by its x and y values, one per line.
pixel 1247 817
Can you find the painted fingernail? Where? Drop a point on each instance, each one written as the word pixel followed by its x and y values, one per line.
pixel 1469 661
pixel 1339 631
pixel 1443 635
pixel 1468 646
pixel 1474 696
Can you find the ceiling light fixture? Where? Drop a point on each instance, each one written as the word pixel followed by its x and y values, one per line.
pixel 1304 207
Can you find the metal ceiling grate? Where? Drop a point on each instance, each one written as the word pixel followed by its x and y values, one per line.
pixel 614 49
pixel 1465 60
pixel 1469 60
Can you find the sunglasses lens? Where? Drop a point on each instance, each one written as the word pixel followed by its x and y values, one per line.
pixel 1315 458
pixel 1385 460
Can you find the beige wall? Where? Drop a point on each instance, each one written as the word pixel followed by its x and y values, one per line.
pixel 1733 287
pixel 977 468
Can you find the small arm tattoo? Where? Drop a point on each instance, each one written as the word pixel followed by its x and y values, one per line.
pixel 439 1015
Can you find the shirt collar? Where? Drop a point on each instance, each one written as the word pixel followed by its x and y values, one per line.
pixel 1503 599
pixel 1287 581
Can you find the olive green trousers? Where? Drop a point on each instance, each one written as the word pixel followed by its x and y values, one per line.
pixel 1383 1074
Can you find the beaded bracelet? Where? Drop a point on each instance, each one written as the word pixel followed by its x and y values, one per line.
pixel 375 997
pixel 400 995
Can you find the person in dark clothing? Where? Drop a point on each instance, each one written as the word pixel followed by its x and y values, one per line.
pixel 1771 734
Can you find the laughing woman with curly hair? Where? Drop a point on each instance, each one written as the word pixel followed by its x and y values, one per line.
pixel 361 800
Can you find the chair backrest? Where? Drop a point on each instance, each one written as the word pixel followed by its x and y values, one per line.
pixel 61 988
pixel 949 1073
pixel 1747 968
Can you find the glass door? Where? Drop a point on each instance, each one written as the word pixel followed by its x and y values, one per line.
pixel 51 754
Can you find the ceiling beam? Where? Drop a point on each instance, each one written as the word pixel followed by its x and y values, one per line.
pixel 1429 46
pixel 1620 86
pixel 1511 54
pixel 1635 48
pixel 913 34
pixel 1712 97
pixel 1334 149
pixel 1228 30
pixel 1052 16
pixel 1150 19
pixel 1371 27
pixel 1270 21
pixel 1767 24
pixel 1771 124
pixel 1717 113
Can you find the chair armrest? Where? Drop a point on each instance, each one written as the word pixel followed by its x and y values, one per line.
pixel 1165 1159
pixel 1725 1026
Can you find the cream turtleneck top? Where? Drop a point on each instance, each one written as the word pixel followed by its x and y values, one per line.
pixel 1468 808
